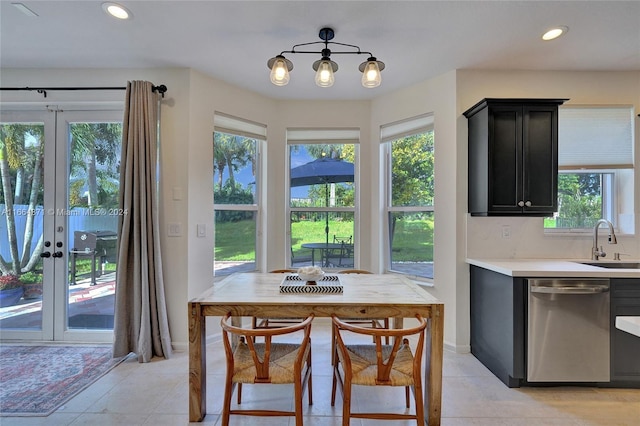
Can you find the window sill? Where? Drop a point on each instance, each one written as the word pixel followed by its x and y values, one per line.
pixel 420 280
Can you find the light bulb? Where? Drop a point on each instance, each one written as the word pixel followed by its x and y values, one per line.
pixel 324 75
pixel 371 75
pixel 279 73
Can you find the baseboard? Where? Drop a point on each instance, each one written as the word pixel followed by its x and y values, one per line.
pixel 459 349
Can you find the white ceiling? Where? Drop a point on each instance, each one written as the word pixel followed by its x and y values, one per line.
pixel 232 40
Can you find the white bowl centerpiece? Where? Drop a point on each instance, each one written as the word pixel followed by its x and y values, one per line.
pixel 310 274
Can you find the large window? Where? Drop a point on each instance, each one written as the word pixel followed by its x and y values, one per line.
pixel 410 159
pixel 322 202
pixel 595 161
pixel 236 147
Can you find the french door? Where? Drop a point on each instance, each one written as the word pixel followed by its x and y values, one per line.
pixel 58 221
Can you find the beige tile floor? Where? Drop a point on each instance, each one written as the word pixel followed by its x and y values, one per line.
pixel 156 394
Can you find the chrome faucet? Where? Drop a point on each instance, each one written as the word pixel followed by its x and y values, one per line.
pixel 597 252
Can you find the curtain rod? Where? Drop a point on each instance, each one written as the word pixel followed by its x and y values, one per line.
pixel 43 90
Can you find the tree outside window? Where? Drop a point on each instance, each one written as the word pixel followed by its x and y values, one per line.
pixel 410 208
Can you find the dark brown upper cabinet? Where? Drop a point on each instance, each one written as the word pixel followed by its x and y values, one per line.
pixel 513 157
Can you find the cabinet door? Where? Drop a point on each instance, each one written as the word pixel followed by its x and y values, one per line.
pixel 625 347
pixel 505 158
pixel 540 159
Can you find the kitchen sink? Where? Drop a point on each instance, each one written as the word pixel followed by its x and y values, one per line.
pixel 614 265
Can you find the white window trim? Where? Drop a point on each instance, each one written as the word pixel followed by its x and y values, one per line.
pixel 224 123
pixel 388 133
pixel 337 136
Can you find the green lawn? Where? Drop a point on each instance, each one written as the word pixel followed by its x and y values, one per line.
pixel 234 241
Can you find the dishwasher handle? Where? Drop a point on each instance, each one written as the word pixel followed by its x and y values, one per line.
pixel 569 289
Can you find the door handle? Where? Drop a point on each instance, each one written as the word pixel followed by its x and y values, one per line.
pixel 570 289
pixel 45 254
pixel 58 254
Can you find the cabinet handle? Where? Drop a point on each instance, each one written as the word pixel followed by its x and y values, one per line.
pixel 520 203
pixel 528 204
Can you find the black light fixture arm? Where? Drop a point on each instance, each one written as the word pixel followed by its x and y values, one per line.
pixel 326 43
pixel 325 67
pixel 359 52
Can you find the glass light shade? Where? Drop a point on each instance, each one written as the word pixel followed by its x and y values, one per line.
pixel 371 75
pixel 324 74
pixel 279 72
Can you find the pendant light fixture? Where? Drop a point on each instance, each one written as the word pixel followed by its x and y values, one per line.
pixel 325 68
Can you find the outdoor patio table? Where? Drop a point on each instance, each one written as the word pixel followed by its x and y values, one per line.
pixel 323 247
pixel 363 296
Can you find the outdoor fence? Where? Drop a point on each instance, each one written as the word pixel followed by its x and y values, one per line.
pixel 78 219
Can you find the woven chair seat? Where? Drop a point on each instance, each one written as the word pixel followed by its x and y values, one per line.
pixel 281 362
pixel 365 368
pixel 378 364
pixel 250 362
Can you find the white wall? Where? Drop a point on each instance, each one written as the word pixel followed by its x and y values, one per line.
pixel 187 168
pixel 587 88
pixel 435 96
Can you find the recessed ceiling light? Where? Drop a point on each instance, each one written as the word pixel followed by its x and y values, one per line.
pixel 116 10
pixel 554 33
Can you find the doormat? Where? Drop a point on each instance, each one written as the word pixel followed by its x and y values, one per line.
pixel 36 380
pixel 91 321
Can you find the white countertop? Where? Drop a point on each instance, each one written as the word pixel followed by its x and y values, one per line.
pixel 629 324
pixel 558 268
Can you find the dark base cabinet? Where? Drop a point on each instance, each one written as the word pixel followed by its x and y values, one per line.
pixel 499 329
pixel 625 347
pixel 498 324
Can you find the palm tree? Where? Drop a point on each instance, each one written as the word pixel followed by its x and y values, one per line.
pixel 232 152
pixel 21 150
pixel 92 144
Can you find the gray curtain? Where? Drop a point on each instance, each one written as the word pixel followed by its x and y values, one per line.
pixel 140 325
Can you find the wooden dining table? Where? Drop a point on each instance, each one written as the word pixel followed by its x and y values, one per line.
pixel 363 296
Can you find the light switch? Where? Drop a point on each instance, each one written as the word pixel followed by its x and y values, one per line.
pixel 174 229
pixel 177 193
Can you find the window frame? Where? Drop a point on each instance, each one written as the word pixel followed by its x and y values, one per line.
pixel 389 134
pixel 324 136
pixel 224 123
pixel 608 192
pixel 617 171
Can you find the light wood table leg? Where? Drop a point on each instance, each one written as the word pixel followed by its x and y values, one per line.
pixel 434 347
pixel 197 364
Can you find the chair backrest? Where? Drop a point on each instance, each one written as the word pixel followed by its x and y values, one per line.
pixel 343 240
pixel 354 271
pixel 260 352
pixel 387 357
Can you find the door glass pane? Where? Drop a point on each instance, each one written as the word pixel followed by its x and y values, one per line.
pixel 21 225
pixel 92 219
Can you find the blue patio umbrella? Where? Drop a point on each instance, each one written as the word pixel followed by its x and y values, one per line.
pixel 323 171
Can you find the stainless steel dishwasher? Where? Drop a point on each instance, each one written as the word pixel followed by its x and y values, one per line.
pixel 568 330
